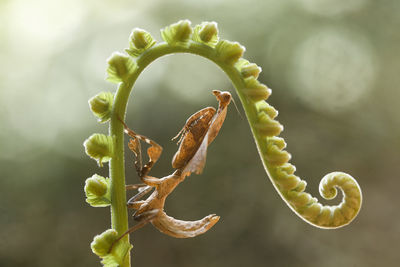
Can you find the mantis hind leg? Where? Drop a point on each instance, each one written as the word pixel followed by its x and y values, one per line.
pixel 139 195
pixel 134 186
pixel 135 204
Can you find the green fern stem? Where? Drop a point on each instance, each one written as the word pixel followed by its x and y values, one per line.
pixel 203 41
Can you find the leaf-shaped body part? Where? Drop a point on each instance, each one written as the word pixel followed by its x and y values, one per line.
pixel 184 229
pixel 198 161
pixel 198 133
pixel 193 133
pixel 224 99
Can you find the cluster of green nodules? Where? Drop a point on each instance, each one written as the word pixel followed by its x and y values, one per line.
pixel 266 129
pixel 276 161
pixel 100 147
pixel 97 188
pixel 291 187
pixel 203 40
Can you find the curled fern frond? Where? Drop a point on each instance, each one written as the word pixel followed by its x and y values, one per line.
pixel 291 187
pixel 204 41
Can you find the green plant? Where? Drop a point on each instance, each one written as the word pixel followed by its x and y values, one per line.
pixel 201 40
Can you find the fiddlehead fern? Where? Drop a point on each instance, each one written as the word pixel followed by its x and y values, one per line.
pixel 203 40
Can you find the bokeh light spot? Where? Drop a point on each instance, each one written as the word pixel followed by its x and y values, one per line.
pixel 332 70
pixel 331 7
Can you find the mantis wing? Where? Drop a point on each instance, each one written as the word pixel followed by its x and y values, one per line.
pixel 198 161
pixel 216 124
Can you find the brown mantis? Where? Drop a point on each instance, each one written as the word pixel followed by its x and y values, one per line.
pixel 199 131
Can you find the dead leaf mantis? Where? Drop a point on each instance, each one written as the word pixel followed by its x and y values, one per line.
pixel 196 135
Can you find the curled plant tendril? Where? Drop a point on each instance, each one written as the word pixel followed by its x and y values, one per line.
pixel 203 40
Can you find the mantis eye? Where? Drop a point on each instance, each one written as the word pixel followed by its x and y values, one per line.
pixel 225 96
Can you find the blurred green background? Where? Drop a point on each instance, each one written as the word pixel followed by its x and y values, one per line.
pixel 333 66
